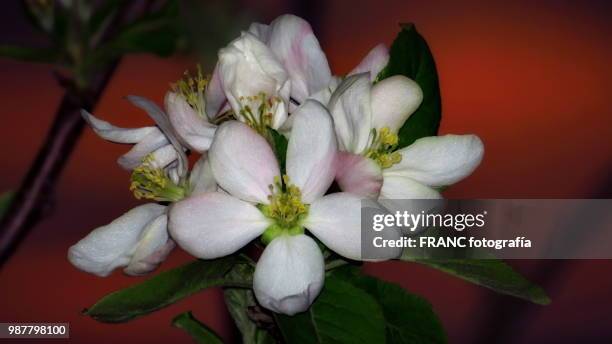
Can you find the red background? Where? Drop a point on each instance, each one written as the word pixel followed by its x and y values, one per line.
pixel 532 79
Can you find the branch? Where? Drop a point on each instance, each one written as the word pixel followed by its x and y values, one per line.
pixel 35 196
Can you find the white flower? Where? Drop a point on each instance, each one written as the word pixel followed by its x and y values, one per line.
pixel 367 119
pixel 138 240
pixel 283 62
pixel 253 81
pixel 259 202
pixel 285 53
pixel 293 42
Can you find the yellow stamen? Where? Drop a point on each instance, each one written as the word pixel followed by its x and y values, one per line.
pixel 192 88
pixel 151 182
pixel 258 111
pixel 382 148
pixel 285 208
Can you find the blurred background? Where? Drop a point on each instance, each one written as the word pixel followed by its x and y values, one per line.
pixel 531 78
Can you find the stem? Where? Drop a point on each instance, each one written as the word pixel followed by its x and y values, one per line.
pixel 35 196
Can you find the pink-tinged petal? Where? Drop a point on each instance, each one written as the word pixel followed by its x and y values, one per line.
pixel 402 188
pixel 350 108
pixel 150 143
pixel 201 178
pixel 213 225
pixel 243 162
pixel 113 245
pixel 373 62
pixel 289 274
pixel 394 99
pixel 152 249
pixel 215 95
pixel 311 151
pixel 439 160
pixel 194 131
pixel 358 175
pixel 112 133
pixel 292 40
pixel 335 219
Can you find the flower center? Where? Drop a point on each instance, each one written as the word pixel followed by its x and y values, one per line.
pixel 192 88
pixel 151 182
pixel 285 209
pixel 258 111
pixel 382 148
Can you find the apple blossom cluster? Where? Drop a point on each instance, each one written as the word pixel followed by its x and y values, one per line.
pixel 272 80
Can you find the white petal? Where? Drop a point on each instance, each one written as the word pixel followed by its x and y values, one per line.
pixel 150 143
pixel 112 133
pixel 289 274
pixel 311 151
pixel 336 220
pixel 242 162
pixel 261 31
pixel 393 100
pixel 403 188
pixel 292 40
pixel 112 245
pixel 153 247
pixel 214 95
pixel 358 175
pixel 439 160
pixel 201 178
pixel 351 111
pixel 162 121
pixel 164 156
pixel 173 173
pixel 373 62
pixel 212 225
pixel 247 67
pixel 194 131
pixel 324 95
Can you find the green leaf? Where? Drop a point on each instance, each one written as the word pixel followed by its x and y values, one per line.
pixel 490 273
pixel 5 202
pixel 200 333
pixel 39 55
pixel 280 147
pixel 409 318
pixel 342 313
pixel 164 289
pixel 238 301
pixel 410 56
